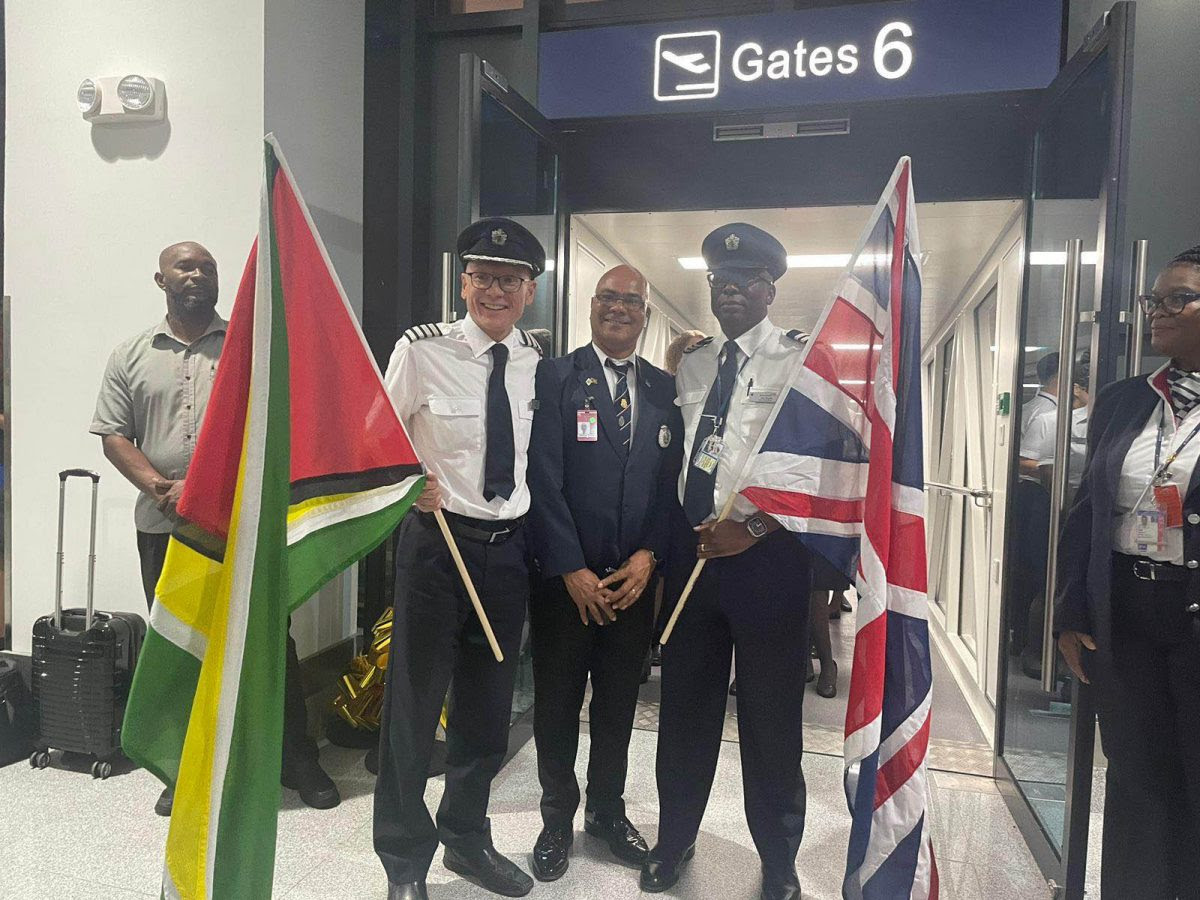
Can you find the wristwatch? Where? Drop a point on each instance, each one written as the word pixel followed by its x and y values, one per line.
pixel 756 526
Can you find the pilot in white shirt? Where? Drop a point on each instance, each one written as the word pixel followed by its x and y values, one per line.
pixel 753 592
pixel 464 392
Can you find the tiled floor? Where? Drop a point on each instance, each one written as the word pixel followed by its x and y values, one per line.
pixel 64 836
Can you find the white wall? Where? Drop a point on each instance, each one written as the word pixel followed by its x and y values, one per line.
pixel 313 102
pixel 86 213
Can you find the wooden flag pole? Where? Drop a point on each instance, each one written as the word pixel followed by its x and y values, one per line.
pixel 691 582
pixel 471 592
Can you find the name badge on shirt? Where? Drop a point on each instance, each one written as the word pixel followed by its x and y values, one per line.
pixel 586 425
pixel 708 454
pixel 762 395
pixel 1148 529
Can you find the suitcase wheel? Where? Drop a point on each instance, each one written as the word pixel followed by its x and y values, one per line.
pixel 101 770
pixel 40 759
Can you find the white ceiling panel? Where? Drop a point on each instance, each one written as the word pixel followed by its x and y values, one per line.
pixel 954 239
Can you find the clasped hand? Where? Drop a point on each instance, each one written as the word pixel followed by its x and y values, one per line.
pixel 599 600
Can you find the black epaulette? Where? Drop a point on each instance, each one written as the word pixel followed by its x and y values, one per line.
pixel 528 340
pixel 797 335
pixel 701 343
pixel 420 332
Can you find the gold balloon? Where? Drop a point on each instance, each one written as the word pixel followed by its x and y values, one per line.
pixel 360 696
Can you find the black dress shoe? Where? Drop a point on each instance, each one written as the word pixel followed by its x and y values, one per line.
pixel 410 890
pixel 315 786
pixel 166 800
pixel 550 853
pixel 660 873
pixel 490 869
pixel 618 832
pixel 827 683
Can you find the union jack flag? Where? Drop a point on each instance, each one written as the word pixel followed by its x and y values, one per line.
pixel 841 464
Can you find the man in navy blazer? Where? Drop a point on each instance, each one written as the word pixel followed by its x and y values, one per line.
pixel 604 456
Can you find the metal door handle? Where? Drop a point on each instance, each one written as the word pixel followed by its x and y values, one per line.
pixel 1072 272
pixel 1141 250
pixel 981 496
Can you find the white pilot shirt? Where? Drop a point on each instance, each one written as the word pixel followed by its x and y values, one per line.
pixel 630 381
pixel 767 358
pixel 1039 418
pixel 439 386
pixel 1138 468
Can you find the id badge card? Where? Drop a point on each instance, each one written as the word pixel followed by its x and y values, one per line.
pixel 1168 501
pixel 586 425
pixel 1148 529
pixel 708 454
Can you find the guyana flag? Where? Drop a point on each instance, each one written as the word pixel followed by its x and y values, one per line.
pixel 301 468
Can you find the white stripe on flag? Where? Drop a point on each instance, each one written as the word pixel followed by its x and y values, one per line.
pixel 892 822
pixel 813 525
pixel 793 472
pixel 168 625
pixel 864 300
pixel 908 499
pixel 253 461
pixel 908 602
pixel 351 507
pixel 834 401
pixel 898 739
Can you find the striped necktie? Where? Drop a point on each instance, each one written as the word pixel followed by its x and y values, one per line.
pixel 622 400
pixel 1185 390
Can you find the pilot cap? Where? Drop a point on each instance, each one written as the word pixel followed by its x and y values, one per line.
pixel 503 241
pixel 741 246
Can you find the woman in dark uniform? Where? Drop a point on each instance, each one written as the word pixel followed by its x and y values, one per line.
pixel 1127 614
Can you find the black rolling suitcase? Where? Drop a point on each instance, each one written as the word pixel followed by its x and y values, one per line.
pixel 83 664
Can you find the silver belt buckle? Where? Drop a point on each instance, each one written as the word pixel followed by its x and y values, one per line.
pixel 497 535
pixel 1144 569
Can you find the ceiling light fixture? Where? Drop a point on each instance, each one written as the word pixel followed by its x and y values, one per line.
pixel 804 260
pixel 1059 258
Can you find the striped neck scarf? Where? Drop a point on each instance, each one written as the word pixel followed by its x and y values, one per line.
pixel 1184 388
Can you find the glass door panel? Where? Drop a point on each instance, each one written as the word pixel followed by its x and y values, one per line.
pixel 1079 148
pixel 509 166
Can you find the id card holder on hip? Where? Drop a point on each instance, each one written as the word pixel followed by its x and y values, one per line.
pixel 586 425
pixel 708 454
pixel 1149 531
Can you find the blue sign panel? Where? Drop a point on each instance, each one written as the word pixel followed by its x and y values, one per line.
pixel 869 51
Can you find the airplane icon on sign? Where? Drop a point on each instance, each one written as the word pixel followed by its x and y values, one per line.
pixel 687 66
pixel 693 62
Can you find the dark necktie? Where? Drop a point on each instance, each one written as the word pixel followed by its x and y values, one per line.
pixel 1185 390
pixel 622 401
pixel 698 489
pixel 499 456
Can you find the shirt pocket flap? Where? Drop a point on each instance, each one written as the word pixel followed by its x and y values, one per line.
pixel 690 397
pixel 456 406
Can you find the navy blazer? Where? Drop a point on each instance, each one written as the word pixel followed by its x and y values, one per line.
pixel 1085 548
pixel 592 504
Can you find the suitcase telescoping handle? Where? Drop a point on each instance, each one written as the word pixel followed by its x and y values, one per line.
pixel 62 500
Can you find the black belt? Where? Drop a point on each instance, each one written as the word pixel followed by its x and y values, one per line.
pixel 483 531
pixel 1151 569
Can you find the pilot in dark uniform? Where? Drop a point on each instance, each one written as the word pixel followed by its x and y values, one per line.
pixel 753 592
pixel 603 462
pixel 464 392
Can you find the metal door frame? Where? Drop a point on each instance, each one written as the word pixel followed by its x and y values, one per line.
pixel 1114 34
pixel 477 77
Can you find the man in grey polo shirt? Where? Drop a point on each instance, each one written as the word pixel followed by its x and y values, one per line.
pixel 152 400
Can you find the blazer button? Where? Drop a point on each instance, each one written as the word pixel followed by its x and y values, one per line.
pixel 1194 607
pixel 1193 519
pixel 1191 563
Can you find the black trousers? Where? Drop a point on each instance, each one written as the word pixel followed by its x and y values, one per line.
pixel 299 750
pixel 565 652
pixel 1031 505
pixel 756 602
pixel 1148 701
pixel 438 642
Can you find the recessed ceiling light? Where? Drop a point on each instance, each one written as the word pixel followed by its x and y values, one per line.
pixel 803 260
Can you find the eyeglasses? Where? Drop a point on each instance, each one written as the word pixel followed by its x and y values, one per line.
pixel 510 284
pixel 719 283
pixel 1171 304
pixel 629 301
